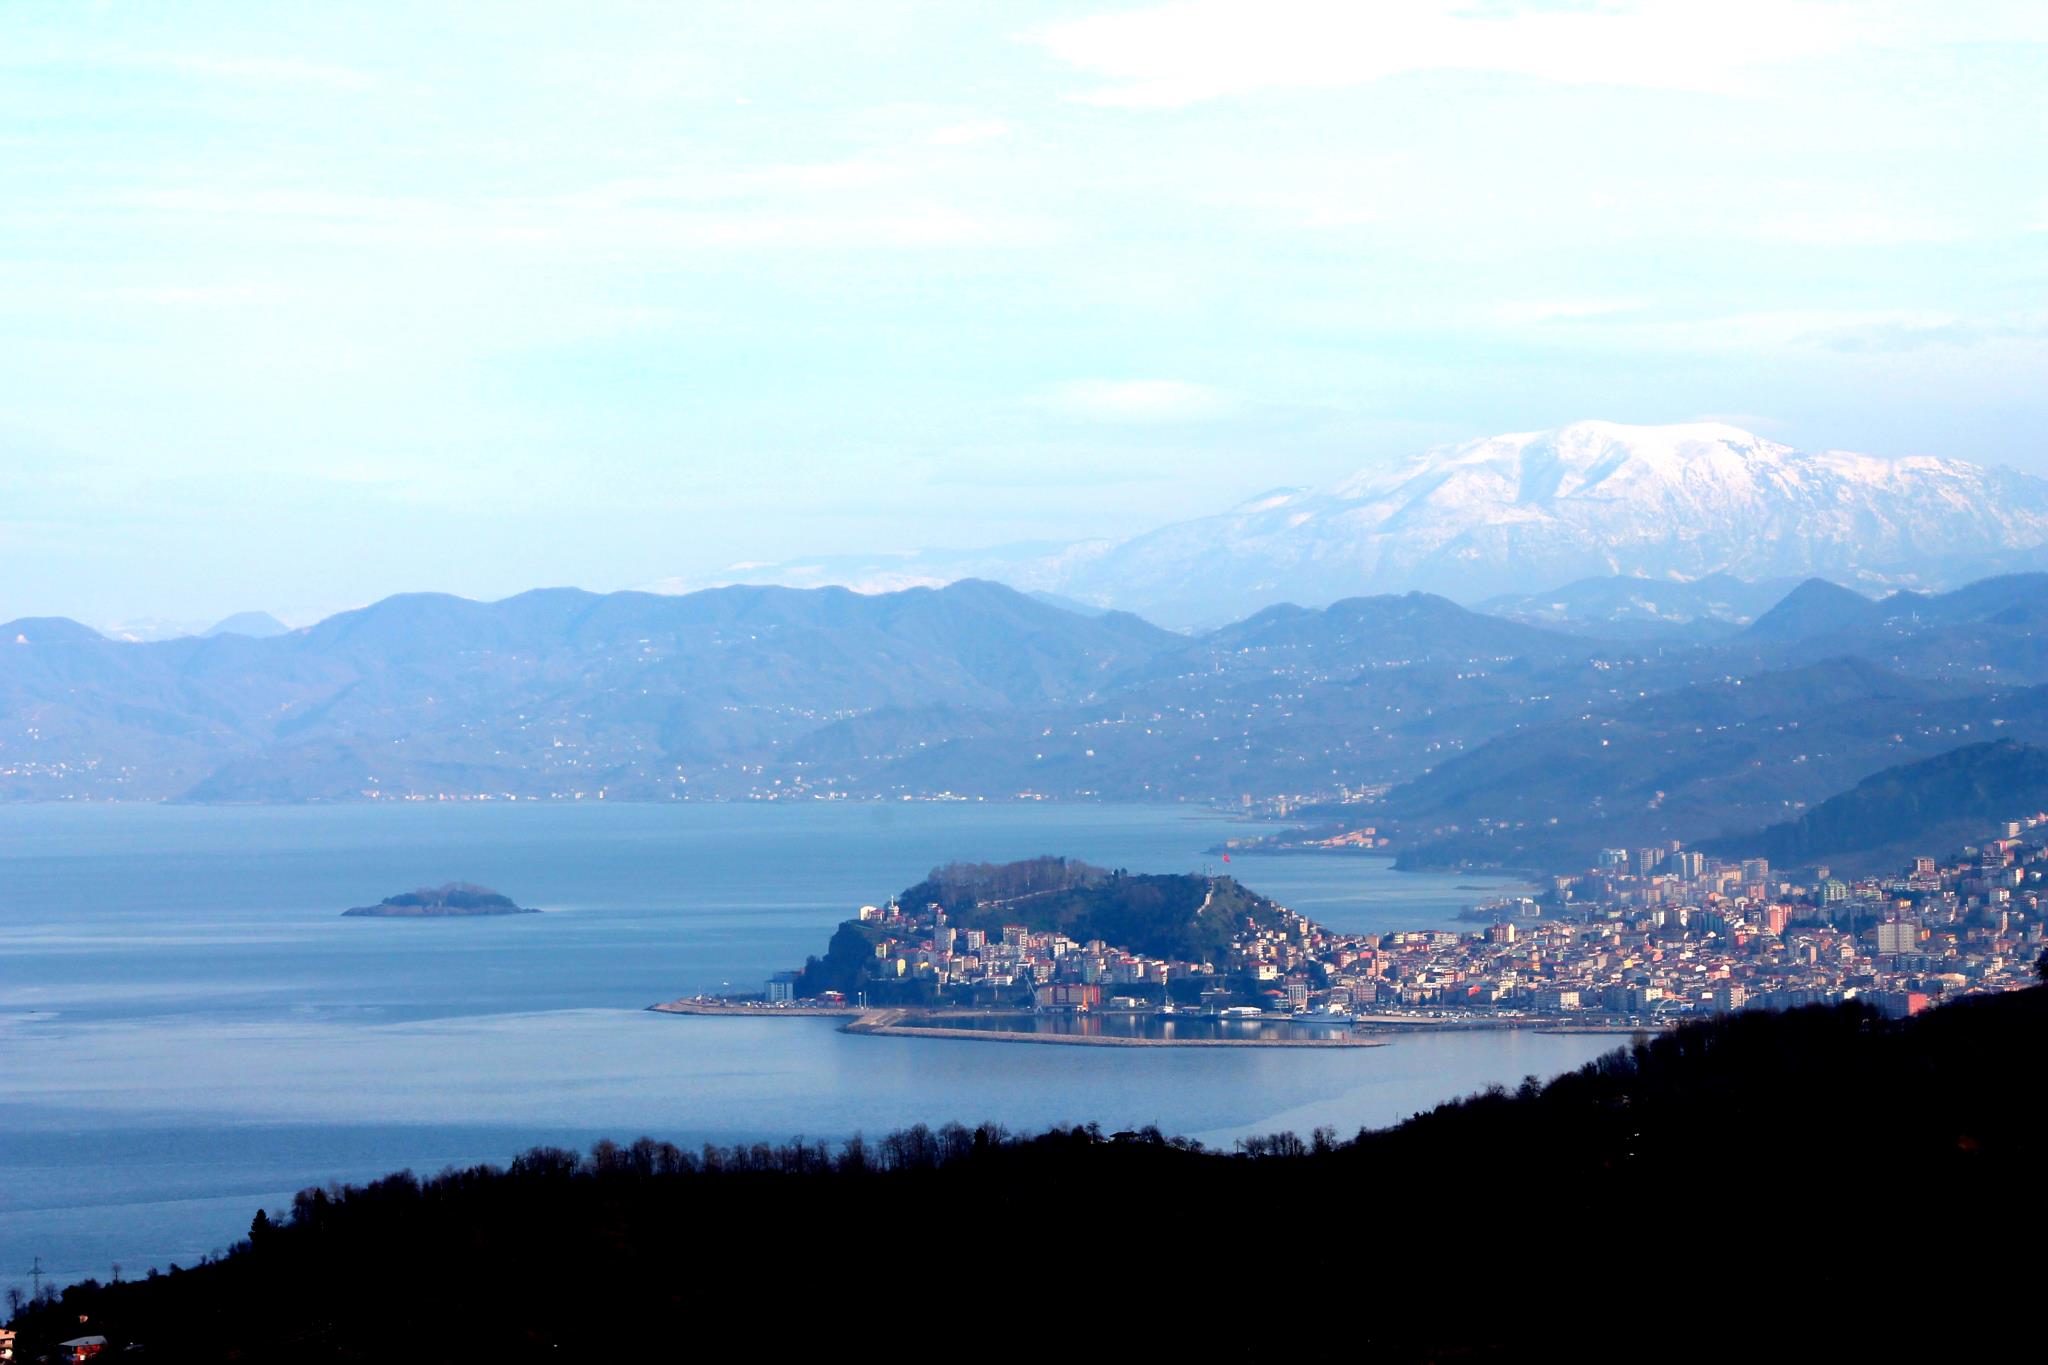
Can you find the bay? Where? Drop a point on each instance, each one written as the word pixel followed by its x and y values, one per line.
pixel 189 1030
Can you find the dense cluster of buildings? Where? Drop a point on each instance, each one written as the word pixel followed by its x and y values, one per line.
pixel 1055 971
pixel 1645 935
pixel 1662 931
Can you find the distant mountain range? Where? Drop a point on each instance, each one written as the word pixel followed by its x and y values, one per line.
pixel 146 630
pixel 973 689
pixel 551 692
pixel 1468 738
pixel 1671 505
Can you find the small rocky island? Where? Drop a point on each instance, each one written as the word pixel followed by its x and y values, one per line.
pixel 435 902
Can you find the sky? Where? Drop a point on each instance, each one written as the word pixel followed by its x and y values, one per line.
pixel 305 304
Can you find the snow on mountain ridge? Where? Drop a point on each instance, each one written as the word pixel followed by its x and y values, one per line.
pixel 1506 514
pixel 1582 454
pixel 1697 468
pixel 1498 514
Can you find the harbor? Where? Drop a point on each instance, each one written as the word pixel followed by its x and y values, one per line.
pixel 1099 1028
pixel 1162 1033
pixel 1149 1027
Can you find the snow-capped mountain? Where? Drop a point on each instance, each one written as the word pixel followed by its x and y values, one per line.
pixel 1511 514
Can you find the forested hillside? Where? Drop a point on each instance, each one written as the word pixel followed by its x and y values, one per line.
pixel 1946 799
pixel 1181 917
pixel 1405 1244
pixel 1472 738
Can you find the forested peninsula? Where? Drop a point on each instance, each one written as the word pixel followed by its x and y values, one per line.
pixel 1181 918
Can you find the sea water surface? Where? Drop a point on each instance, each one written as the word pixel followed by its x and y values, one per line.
pixel 189 1030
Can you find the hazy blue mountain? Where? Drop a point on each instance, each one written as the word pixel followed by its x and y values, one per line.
pixel 1992 631
pixel 47 630
pixel 977 690
pixel 2011 599
pixel 1079 608
pixel 1927 807
pixel 1817 608
pixel 550 691
pixel 1363 630
pixel 1615 606
pixel 1503 514
pixel 137 629
pixel 1696 761
pixel 257 625
pixel 1293 700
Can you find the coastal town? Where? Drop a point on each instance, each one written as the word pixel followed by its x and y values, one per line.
pixel 1645 937
pixel 1661 933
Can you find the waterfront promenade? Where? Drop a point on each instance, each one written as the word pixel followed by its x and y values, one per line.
pixel 918 1023
pixel 904 1024
pixel 717 1007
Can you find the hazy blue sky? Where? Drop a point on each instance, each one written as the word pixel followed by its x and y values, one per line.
pixel 301 304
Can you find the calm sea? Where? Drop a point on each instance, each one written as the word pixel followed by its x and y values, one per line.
pixel 190 1031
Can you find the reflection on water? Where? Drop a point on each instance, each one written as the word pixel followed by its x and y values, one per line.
pixel 189 1030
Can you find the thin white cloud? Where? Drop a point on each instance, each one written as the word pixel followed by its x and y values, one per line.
pixel 1750 333
pixel 1139 400
pixel 1844 224
pixel 967 134
pixel 760 209
pixel 285 71
pixel 1534 312
pixel 195 295
pixel 1914 333
pixel 1760 423
pixel 1343 216
pixel 1181 53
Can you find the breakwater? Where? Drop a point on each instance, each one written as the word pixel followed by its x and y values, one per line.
pixel 908 1024
pixel 743 1009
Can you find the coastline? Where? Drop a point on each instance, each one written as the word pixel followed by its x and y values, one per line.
pixel 728 1009
pixel 1372 1030
pixel 1556 1024
pixel 915 1023
pixel 888 1024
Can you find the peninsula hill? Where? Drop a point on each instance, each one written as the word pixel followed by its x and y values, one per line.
pixel 998 933
pixel 441 902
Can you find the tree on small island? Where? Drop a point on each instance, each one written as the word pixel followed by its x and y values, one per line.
pixel 453 899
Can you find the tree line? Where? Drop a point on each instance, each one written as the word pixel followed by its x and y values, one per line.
pixel 1586 1215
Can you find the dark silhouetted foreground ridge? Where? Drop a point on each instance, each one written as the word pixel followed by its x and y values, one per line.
pixel 1819 1157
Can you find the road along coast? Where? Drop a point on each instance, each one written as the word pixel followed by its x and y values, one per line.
pixel 754 1009
pixel 1373 1030
pixel 907 1024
